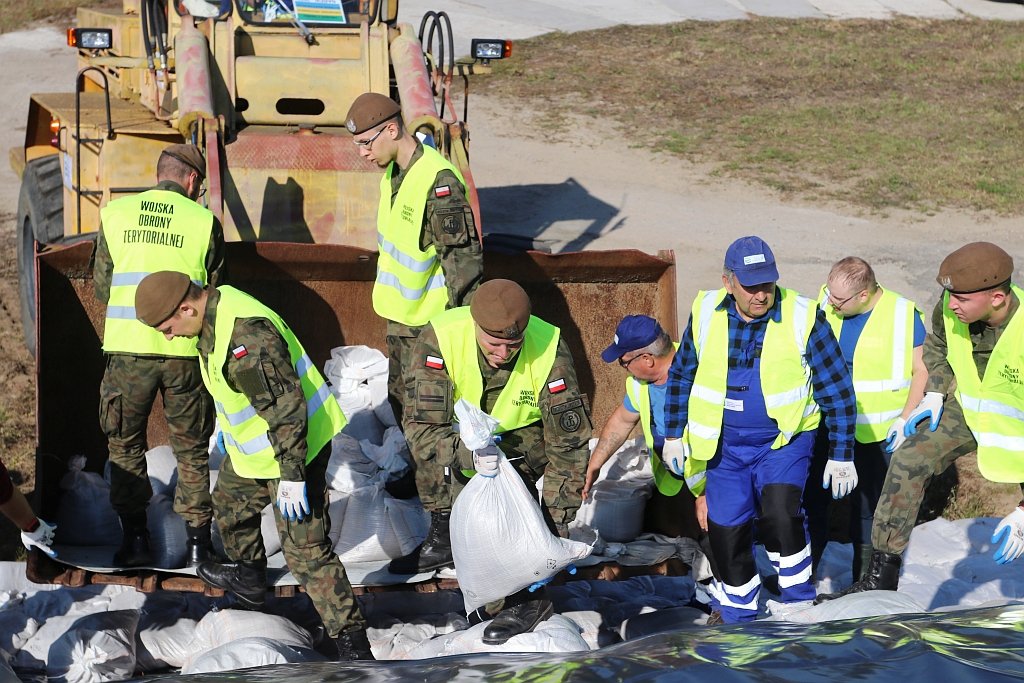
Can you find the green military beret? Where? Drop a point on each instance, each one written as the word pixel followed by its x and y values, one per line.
pixel 370 109
pixel 975 267
pixel 188 155
pixel 501 309
pixel 158 296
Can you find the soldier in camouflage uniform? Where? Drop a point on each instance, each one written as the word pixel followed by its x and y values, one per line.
pixel 427 263
pixel 278 418
pixel 159 229
pixel 517 368
pixel 977 319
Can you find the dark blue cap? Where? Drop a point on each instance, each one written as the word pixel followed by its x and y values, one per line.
pixel 752 260
pixel 634 332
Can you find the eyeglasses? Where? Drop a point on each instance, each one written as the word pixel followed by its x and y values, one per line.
pixel 367 143
pixel 625 363
pixel 202 193
pixel 837 303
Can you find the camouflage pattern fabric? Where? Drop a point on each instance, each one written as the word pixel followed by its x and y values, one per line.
pixel 239 502
pixel 400 346
pixel 129 387
pixel 921 457
pixel 555 447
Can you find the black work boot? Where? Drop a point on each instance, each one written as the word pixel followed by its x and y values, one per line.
pixel 353 646
pixel 134 550
pixel 199 545
pixel 247 581
pixel 883 575
pixel 434 553
pixel 522 618
pixel 861 561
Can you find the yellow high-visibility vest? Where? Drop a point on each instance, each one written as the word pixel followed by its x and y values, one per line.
pixel 517 404
pixel 246 434
pixel 410 286
pixel 149 232
pixel 785 376
pixel 993 405
pixel 883 362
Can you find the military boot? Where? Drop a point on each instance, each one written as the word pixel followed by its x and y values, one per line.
pixel 247 581
pixel 861 561
pixel 134 550
pixel 353 646
pixel 522 618
pixel 434 553
pixel 200 547
pixel 883 575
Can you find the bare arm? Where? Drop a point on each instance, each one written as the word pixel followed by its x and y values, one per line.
pixel 614 434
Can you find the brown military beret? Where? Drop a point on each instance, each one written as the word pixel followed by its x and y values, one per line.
pixel 188 155
pixel 975 267
pixel 370 109
pixel 158 296
pixel 501 309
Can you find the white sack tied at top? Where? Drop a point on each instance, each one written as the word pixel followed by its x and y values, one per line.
pixel 500 541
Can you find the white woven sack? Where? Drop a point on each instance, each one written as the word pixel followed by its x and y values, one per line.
pixel 500 541
pixel 376 527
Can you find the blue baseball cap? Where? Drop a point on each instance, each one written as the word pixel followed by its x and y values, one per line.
pixel 752 260
pixel 634 332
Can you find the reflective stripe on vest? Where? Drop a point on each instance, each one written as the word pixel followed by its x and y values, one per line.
pixel 640 396
pixel 145 233
pixel 246 436
pixel 410 286
pixel 517 404
pixel 993 405
pixel 883 362
pixel 785 377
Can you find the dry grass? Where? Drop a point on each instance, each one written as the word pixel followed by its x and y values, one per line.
pixel 906 113
pixel 16 14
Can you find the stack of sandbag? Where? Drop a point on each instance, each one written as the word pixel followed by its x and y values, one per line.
pixel 84 513
pixel 556 634
pixel 615 506
pixel 238 639
pixel 359 380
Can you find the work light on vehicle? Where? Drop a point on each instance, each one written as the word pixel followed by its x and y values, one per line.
pixel 90 38
pixel 491 48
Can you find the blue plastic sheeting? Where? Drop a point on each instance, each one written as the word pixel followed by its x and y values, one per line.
pixel 973 645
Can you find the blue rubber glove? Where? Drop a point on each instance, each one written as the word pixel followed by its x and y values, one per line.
pixel 291 500
pixel 220 442
pixel 930 407
pixel 1010 532
pixel 534 587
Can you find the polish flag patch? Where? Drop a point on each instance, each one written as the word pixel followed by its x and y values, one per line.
pixel 434 362
pixel 556 386
pixel 442 191
pixel 240 352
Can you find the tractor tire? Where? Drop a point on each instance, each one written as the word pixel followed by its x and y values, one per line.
pixel 40 221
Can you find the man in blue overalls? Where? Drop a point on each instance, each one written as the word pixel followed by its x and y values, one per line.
pixel 758 369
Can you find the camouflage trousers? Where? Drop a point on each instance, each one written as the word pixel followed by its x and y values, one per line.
pixel 922 456
pixel 399 360
pixel 129 388
pixel 239 502
pixel 439 483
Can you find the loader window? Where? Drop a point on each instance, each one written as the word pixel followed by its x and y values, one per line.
pixel 321 13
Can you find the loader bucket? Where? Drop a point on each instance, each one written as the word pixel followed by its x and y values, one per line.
pixel 323 292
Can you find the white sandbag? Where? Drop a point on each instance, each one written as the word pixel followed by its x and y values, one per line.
pixel 359 379
pixel 84 514
pixel 162 467
pixel 349 468
pixel 500 541
pixel 97 647
pixel 16 629
pixel 168 536
pixel 557 634
pixel 250 652
pixel 268 529
pixel 616 504
pixel 399 638
pixel 225 626
pixel 337 502
pixel 852 606
pixel 378 527
pixel 392 456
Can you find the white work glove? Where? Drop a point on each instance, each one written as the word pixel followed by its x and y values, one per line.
pixel 896 436
pixel 41 538
pixel 485 461
pixel 843 478
pixel 674 453
pixel 1011 532
pixel 929 407
pixel 291 500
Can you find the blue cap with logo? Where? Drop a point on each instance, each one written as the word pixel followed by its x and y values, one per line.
pixel 752 260
pixel 634 332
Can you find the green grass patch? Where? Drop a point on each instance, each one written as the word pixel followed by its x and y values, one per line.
pixel 905 113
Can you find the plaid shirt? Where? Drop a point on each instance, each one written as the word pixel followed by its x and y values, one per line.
pixel 831 381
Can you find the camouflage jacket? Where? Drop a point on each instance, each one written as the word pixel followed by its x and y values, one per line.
pixel 449 226
pixel 266 376
pixel 103 264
